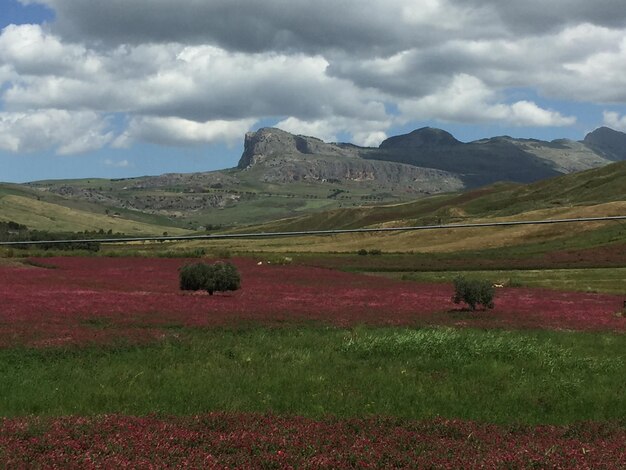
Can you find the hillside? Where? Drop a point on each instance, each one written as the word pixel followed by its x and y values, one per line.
pixel 56 214
pixel 598 192
pixel 588 188
pixel 283 175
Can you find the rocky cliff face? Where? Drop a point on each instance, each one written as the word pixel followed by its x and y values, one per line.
pixel 353 170
pixel 270 142
pixel 280 157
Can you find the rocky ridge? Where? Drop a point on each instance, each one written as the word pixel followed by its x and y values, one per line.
pixel 281 157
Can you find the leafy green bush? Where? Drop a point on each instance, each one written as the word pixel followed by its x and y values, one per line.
pixel 362 252
pixel 473 292
pixel 193 276
pixel 216 277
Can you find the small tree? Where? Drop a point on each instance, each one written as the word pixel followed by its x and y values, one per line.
pixel 193 276
pixel 223 277
pixel 473 292
pixel 217 277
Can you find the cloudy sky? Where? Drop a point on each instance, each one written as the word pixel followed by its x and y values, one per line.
pixel 119 88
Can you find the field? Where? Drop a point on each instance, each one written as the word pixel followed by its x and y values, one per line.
pixel 106 363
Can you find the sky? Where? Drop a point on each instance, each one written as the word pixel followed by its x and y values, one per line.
pixel 122 88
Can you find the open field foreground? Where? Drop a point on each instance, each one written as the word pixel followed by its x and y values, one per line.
pixel 98 300
pixel 106 363
pixel 264 441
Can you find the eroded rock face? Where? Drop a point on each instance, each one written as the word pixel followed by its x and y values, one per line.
pixel 281 157
pixel 269 142
pixel 319 169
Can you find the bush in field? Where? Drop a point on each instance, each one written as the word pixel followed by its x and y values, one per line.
pixel 193 276
pixel 217 277
pixel 473 292
pixel 224 277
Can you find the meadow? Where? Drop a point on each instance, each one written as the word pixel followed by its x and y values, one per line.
pixel 106 363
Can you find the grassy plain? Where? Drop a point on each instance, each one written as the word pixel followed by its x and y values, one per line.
pixel 489 376
pixel 607 280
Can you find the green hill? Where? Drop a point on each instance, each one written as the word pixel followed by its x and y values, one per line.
pixel 589 188
pixel 599 192
pixel 48 212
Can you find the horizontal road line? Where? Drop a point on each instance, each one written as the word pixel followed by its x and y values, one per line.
pixel 318 232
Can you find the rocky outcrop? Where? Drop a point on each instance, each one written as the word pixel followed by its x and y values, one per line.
pixel 270 142
pixel 280 157
pixel 353 170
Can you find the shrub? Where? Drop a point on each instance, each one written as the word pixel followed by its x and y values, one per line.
pixel 217 277
pixel 362 252
pixel 375 252
pixel 223 277
pixel 473 292
pixel 193 276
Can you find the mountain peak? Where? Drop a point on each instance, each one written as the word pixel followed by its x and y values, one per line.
pixel 426 137
pixel 609 142
pixel 271 141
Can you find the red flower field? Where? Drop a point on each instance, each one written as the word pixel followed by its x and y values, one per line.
pixel 85 300
pixel 231 440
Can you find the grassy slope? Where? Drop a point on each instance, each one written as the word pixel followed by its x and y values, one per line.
pixel 81 205
pixel 594 187
pixel 599 192
pixel 41 215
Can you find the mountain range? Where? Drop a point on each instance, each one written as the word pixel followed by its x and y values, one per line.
pixel 281 175
pixel 288 157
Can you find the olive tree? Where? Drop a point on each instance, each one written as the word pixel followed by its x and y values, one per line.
pixel 217 277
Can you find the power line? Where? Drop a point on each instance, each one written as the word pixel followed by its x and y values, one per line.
pixel 315 232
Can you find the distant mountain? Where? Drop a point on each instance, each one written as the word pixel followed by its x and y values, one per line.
pixel 424 138
pixel 282 175
pixel 276 156
pixel 288 157
pixel 607 142
pixel 476 163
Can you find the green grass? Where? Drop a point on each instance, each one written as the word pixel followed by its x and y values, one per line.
pixel 608 280
pixel 41 215
pixel 502 377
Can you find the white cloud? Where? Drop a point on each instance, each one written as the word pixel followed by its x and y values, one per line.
pixel 467 99
pixel 66 132
pixel 175 131
pixel 369 139
pixel 198 83
pixel 32 51
pixel 615 121
pixel 190 72
pixel 365 133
